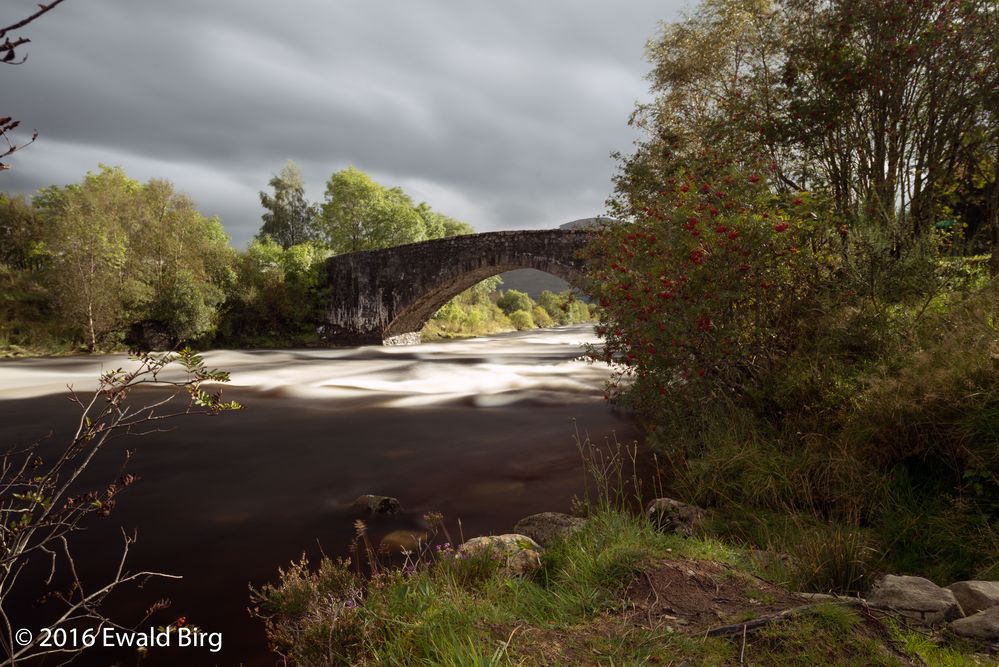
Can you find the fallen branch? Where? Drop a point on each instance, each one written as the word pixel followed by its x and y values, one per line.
pixel 762 622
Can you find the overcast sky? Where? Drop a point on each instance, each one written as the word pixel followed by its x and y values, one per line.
pixel 502 114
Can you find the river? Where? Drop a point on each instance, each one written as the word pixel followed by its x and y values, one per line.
pixel 481 430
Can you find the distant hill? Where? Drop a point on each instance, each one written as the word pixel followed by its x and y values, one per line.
pixel 588 223
pixel 532 281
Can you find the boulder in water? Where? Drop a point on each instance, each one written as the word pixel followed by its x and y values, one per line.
pixel 373 506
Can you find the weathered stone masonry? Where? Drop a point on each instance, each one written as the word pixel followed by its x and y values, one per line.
pixel 388 295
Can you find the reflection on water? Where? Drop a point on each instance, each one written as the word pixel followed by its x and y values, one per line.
pixel 481 430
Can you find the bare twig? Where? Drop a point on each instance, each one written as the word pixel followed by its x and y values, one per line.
pixel 8 56
pixel 23 22
pixel 41 507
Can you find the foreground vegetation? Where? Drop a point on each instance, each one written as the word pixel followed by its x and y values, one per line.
pixel 816 394
pixel 801 301
pixel 615 592
pixel 810 328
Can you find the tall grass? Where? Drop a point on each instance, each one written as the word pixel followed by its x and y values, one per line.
pixel 880 437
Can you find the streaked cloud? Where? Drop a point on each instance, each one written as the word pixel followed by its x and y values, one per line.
pixel 500 114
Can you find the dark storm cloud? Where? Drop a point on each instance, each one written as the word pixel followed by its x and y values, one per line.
pixel 502 114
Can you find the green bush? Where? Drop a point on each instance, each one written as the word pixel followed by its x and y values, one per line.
pixel 541 317
pixel 551 303
pixel 578 312
pixel 513 300
pixel 522 319
pixel 564 308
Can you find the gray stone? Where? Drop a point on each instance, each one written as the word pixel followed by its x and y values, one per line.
pixel 411 338
pixel 521 554
pixel 672 516
pixel 383 295
pixel 916 598
pixel 975 596
pixel 376 506
pixel 546 526
pixel 983 625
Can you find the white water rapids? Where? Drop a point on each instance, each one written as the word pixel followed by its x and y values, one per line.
pixel 544 365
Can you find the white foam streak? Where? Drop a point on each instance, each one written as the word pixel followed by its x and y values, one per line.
pixel 542 365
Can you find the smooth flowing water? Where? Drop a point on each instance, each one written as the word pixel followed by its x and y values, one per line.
pixel 481 430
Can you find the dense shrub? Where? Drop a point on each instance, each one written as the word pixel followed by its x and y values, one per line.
pixel 541 317
pixel 276 297
pixel 521 319
pixel 703 294
pixel 513 300
pixel 564 308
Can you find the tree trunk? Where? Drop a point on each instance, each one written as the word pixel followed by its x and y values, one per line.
pixel 992 217
pixel 90 322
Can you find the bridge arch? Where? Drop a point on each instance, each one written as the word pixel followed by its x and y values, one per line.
pixel 388 295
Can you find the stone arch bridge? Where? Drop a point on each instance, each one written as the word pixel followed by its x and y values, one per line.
pixel 386 296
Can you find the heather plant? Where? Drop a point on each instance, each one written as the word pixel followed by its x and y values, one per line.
pixel 313 617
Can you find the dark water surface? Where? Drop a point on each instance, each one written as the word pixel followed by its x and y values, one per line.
pixel 479 430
